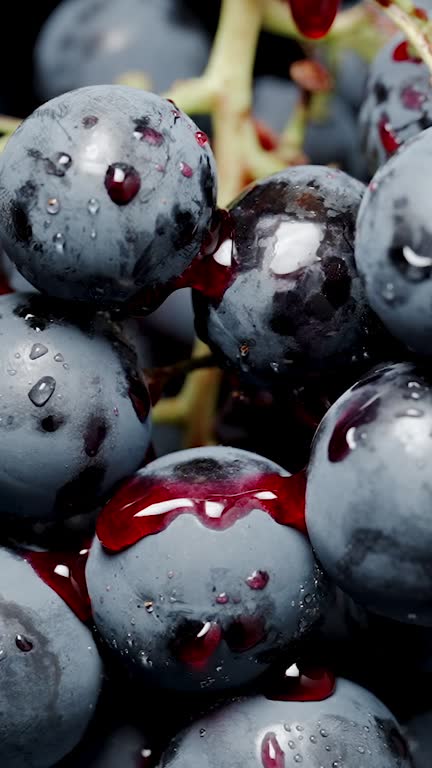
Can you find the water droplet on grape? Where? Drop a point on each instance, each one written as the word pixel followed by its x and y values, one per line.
pixel 23 644
pixel 93 206
pixel 201 138
pixel 59 242
pixel 38 350
pixel 42 391
pixel 53 205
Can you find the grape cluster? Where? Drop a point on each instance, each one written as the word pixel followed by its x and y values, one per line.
pixel 243 601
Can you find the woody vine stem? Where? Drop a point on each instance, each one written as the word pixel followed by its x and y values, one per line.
pixel 224 92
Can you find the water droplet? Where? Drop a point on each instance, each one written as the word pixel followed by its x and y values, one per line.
pixel 149 606
pixel 389 293
pixel 201 138
pixel 59 242
pixel 93 234
pixel 308 599
pixel 328 748
pixel 186 170
pixel 222 599
pixel 93 206
pixel 202 732
pixel 53 205
pixel 58 357
pixel 313 739
pixel 66 366
pixel 323 733
pixel 11 371
pixel 287 727
pixel 17 355
pixel 62 162
pixel 336 764
pixel 42 391
pixel 361 750
pixel 170 574
pixel 122 182
pixel 366 728
pixel 299 728
pixel 298 759
pixel 38 350
pixel 23 644
pixel 291 744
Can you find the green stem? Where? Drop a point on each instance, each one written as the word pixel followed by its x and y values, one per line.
pixel 416 30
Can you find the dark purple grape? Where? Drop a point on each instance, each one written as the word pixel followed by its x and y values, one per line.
pixel 89 42
pixel 74 413
pixel 105 194
pixel 393 249
pixel 200 576
pixel 368 493
pixel 50 670
pixel 397 104
pixel 349 729
pixel 291 303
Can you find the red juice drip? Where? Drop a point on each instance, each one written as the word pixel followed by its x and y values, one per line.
pixel 205 274
pixel 122 182
pixel 201 138
pixel 149 135
pixel 272 755
pixel 258 580
pixel 363 411
pixel 245 633
pixel 194 645
pixel 64 572
pixel 314 18
pixel 146 505
pixel 4 286
pixel 313 684
pixel 388 137
pixel 402 52
pixel 420 13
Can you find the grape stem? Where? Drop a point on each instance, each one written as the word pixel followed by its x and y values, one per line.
pixel 416 29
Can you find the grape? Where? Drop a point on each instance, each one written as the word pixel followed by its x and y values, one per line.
pixel 91 42
pixel 397 104
pixel 291 303
pixel 368 495
pixel 105 193
pixel 393 244
pixel 73 411
pixel 351 728
pixel 50 671
pixel 201 572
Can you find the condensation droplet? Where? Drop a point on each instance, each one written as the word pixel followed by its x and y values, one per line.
pixel 93 206
pixel 38 350
pixel 53 206
pixel 42 391
pixel 59 357
pixel 23 644
pixel 59 242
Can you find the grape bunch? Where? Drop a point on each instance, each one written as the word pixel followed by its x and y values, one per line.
pixel 222 560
